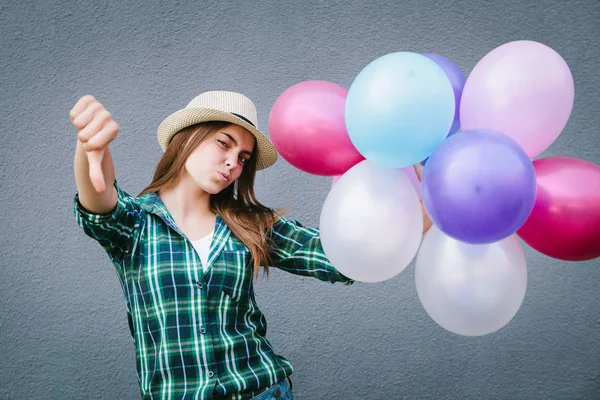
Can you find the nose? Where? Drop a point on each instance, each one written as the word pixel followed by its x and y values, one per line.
pixel 230 162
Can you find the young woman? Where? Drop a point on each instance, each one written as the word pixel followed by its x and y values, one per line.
pixel 187 247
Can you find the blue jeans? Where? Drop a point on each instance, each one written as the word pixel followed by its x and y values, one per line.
pixel 279 391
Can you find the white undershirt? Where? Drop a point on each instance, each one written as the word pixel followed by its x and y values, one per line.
pixel 202 247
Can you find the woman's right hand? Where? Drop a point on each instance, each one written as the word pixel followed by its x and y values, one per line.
pixel 427 223
pixel 96 129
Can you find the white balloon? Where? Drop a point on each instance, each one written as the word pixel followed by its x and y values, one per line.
pixel 409 171
pixel 371 223
pixel 469 289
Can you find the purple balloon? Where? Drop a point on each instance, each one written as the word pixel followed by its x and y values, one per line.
pixel 457 79
pixel 479 186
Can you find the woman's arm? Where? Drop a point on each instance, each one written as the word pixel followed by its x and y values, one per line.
pixel 94 168
pixel 105 212
pixel 298 250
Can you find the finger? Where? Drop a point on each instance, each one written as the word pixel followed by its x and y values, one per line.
pixel 419 167
pixel 427 222
pixel 81 105
pixel 95 170
pixel 87 115
pixel 95 126
pixel 101 139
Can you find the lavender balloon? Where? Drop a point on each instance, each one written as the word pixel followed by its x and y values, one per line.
pixel 457 79
pixel 479 186
pixel 523 89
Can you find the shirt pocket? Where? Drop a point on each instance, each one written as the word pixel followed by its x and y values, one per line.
pixel 233 271
pixel 161 291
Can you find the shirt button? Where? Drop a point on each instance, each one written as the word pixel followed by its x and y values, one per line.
pixel 202 330
pixel 210 374
pixel 200 285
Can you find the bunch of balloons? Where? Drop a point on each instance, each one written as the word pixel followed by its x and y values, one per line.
pixel 477 137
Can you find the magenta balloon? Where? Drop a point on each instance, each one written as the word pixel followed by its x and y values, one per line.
pixel 307 126
pixel 565 221
pixel 523 89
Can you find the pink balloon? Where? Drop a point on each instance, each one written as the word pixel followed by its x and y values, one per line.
pixel 307 126
pixel 335 179
pixel 523 89
pixel 565 221
pixel 409 171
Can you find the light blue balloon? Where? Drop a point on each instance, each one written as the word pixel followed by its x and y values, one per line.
pixel 399 109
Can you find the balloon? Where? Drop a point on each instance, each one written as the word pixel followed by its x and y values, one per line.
pixel 409 171
pixel 468 289
pixel 371 223
pixel 457 79
pixel 399 108
pixel 523 89
pixel 308 129
pixel 479 186
pixel 565 221
pixel 424 162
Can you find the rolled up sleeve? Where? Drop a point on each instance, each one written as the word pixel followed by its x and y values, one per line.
pixel 117 231
pixel 298 250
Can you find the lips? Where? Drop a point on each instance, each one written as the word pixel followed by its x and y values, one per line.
pixel 224 176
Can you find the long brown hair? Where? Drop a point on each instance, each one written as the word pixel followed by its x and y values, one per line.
pixel 248 219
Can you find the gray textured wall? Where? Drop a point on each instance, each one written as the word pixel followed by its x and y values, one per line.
pixel 63 329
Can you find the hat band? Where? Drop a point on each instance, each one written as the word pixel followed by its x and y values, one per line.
pixel 244 118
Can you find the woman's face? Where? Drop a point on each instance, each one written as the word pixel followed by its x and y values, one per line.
pixel 219 160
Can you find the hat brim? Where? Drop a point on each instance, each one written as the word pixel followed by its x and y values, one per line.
pixel 266 153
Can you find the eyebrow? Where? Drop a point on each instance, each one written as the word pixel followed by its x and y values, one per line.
pixel 235 142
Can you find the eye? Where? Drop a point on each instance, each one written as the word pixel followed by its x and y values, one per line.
pixel 222 143
pixel 243 160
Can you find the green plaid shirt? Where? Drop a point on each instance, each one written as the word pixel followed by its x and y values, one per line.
pixel 197 335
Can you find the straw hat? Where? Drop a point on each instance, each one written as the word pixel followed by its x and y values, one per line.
pixel 220 106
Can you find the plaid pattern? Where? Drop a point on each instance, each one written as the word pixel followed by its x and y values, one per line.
pixel 198 335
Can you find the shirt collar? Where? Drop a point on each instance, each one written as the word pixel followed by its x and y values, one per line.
pixel 151 203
